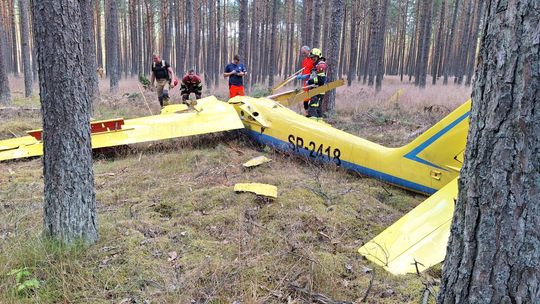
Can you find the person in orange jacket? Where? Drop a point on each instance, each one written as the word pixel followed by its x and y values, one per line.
pixel 307 65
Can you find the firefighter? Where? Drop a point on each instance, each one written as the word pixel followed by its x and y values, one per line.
pixel 164 75
pixel 307 66
pixel 191 83
pixel 236 72
pixel 317 79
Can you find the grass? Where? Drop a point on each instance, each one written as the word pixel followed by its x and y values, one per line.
pixel 172 230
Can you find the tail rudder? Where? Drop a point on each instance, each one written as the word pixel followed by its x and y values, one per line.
pixel 442 145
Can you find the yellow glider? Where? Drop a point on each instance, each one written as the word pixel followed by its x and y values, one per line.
pixel 426 165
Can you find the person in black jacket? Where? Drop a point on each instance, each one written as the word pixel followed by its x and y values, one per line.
pixel 163 73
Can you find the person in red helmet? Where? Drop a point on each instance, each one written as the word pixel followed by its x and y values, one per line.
pixel 191 83
pixel 317 79
pixel 307 66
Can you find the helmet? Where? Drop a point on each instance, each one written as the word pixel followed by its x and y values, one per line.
pixel 316 52
pixel 321 67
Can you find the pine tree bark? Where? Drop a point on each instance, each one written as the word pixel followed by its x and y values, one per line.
pixel 14 40
pixel 381 45
pixel 167 32
pixel 338 7
pixel 191 37
pixel 494 249
pixel 473 41
pixel 113 70
pixel 133 28
pixel 273 43
pixel 317 23
pixel 89 50
pixel 402 44
pixel 243 31
pixel 449 44
pixel 353 44
pixel 424 44
pixel 438 47
pixel 213 51
pixel 25 47
pixel 99 51
pixel 5 94
pixel 307 34
pixel 373 35
pixel 69 198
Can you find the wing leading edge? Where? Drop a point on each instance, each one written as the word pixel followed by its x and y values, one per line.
pixel 210 116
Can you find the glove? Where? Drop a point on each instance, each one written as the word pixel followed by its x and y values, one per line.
pixel 301 77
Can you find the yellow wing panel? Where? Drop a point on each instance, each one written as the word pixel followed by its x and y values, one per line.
pixel 259 189
pixel 421 235
pixel 213 116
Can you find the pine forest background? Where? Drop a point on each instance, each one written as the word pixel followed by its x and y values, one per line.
pixel 418 40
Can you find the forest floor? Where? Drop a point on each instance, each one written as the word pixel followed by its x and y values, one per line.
pixel 172 230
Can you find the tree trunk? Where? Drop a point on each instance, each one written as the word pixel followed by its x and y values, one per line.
pixel 133 28
pixel 438 47
pixel 243 33
pixel 474 41
pixel 14 40
pixel 494 248
pixel 25 46
pixel 338 7
pixel 423 49
pixel 179 40
pixel 112 45
pixel 218 60
pixel 167 30
pixel 190 37
pixel 449 43
pixel 317 19
pixel 402 45
pixel 5 94
pixel 373 35
pixel 213 51
pixel 307 33
pixel 273 43
pixel 69 198
pixel 89 50
pixel 380 45
pixel 99 50
pixel 464 45
pixel 354 44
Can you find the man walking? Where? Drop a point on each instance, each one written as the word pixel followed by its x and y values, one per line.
pixel 163 73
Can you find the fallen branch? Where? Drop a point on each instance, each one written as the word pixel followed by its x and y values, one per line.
pixel 364 298
pixel 316 297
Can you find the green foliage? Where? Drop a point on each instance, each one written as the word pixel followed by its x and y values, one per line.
pixel 23 282
pixel 259 91
pixel 144 80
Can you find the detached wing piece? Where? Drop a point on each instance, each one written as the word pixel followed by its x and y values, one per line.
pixel 419 238
pixel 211 116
